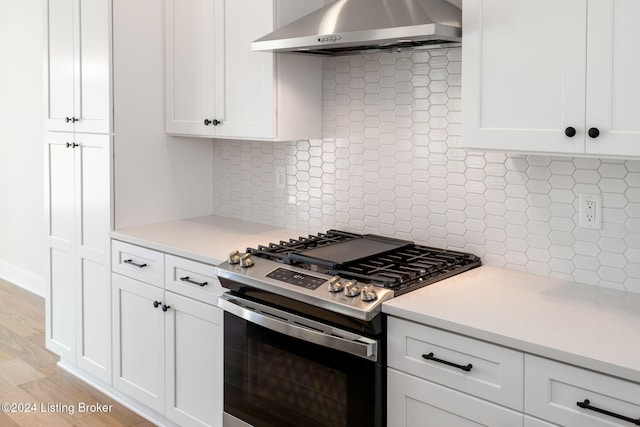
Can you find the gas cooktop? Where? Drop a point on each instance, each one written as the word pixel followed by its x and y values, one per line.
pixel 399 265
pixel 341 271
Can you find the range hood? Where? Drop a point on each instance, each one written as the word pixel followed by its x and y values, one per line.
pixel 358 26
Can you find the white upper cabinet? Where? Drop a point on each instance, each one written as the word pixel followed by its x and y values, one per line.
pixel 217 87
pixel 613 67
pixel 77 70
pixel 552 76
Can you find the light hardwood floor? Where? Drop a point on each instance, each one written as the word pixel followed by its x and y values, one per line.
pixel 29 375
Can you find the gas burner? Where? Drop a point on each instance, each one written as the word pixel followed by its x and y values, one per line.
pixel 381 261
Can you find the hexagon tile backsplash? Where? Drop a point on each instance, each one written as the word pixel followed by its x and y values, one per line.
pixel 390 163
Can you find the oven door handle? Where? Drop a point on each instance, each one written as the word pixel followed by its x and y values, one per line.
pixel 348 342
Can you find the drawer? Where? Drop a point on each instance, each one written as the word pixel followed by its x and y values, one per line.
pixel 413 402
pixel 137 263
pixel 192 279
pixel 495 373
pixel 553 391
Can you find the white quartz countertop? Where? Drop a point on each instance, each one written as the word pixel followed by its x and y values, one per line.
pixel 206 239
pixel 577 324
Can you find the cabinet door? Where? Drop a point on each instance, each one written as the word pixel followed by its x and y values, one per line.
pixel 78 73
pixel 250 98
pixel 93 223
pixel 524 74
pixel 60 209
pixel 138 341
pixel 613 87
pixel 412 402
pixel 194 362
pixel 60 66
pixel 92 93
pixel 194 49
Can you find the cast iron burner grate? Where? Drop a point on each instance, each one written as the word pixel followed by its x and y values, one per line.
pixel 409 268
pixel 405 267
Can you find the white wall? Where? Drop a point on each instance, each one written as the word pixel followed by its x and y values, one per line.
pixel 157 177
pixel 22 231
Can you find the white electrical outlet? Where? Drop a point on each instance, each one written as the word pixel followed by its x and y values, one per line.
pixel 591 211
pixel 280 177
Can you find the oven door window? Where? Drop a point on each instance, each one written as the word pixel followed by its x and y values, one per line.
pixel 271 379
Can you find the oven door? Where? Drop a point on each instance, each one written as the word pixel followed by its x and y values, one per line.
pixel 284 370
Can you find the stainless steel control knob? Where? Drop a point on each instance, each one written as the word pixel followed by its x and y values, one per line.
pixel 351 288
pixel 234 258
pixel 368 293
pixel 335 285
pixel 246 261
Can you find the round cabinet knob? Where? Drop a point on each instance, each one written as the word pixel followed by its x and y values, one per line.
pixel 594 132
pixel 234 258
pixel 335 285
pixel 214 122
pixel 351 288
pixel 246 261
pixel 368 293
pixel 570 132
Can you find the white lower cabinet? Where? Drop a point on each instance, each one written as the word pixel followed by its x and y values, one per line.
pixel 478 368
pixel 571 396
pixel 167 347
pixel 138 342
pixel 413 402
pixel 193 352
pixel 439 378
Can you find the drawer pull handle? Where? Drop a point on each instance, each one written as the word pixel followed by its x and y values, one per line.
pixel 586 405
pixel 130 261
pixel 465 368
pixel 186 279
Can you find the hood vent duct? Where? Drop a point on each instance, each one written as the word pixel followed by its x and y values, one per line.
pixel 362 26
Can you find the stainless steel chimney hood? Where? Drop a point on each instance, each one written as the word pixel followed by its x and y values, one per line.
pixel 358 26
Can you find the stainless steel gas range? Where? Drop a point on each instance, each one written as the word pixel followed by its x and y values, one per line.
pixel 304 330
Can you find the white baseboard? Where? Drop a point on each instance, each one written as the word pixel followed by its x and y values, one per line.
pixel 23 278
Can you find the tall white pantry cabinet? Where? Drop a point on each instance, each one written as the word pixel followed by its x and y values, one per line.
pixel 78 194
